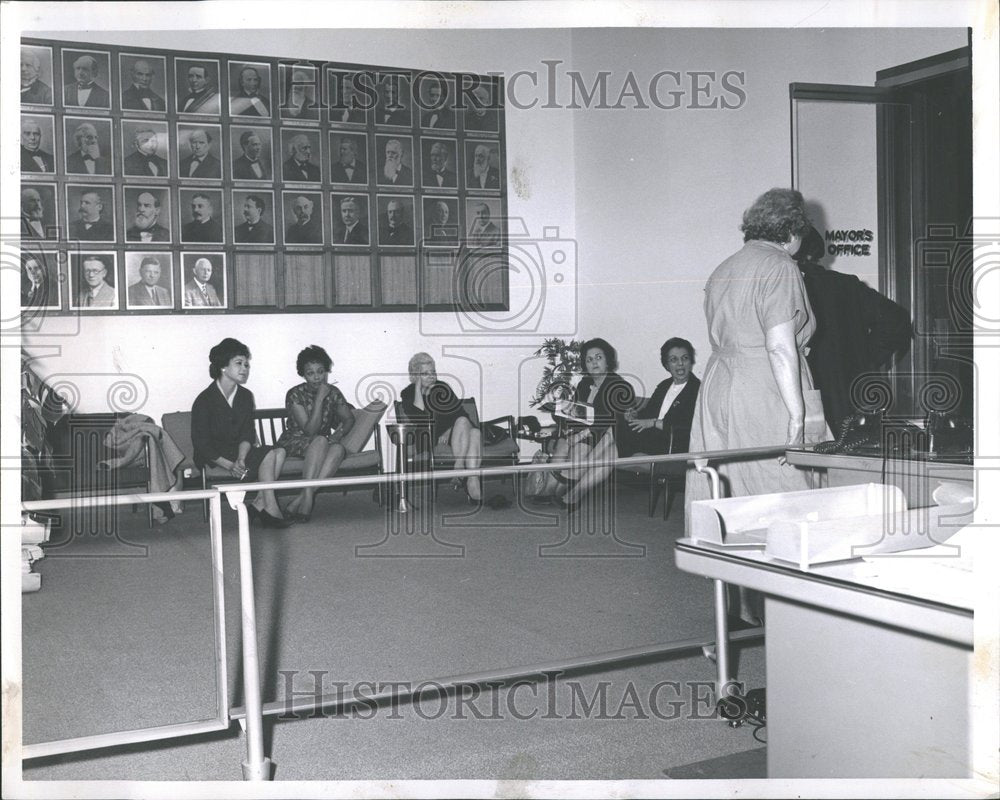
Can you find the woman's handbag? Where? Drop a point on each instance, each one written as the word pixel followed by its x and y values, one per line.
pixel 543 483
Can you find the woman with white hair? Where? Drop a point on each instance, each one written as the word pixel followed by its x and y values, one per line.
pixel 428 399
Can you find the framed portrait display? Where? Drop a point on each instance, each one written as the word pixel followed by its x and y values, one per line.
pixel 86 77
pixel 149 280
pixel 36 75
pixel 41 283
pixel 93 280
pixel 250 89
pixel 146 214
pixel 38 144
pixel 88 146
pixel 145 148
pixel 264 166
pixel 90 212
pixel 39 212
pixel 143 82
pixel 196 85
pixel 204 276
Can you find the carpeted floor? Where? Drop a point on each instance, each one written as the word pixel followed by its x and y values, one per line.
pixel 120 637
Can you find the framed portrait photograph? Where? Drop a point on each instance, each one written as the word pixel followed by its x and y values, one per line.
pixel 483 171
pixel 348 158
pixel 201 212
pixel 441 224
pixel 41 285
pixel 149 280
pixel 86 77
pixel 251 152
pixel 480 105
pixel 196 86
pixel 93 280
pixel 38 143
pixel 435 97
pixel 146 214
pixel 395 220
pixel 36 75
pixel 350 96
pixel 39 212
pixel 143 82
pixel 483 221
pixel 395 160
pixel 300 153
pixel 300 92
pixel 394 107
pixel 199 151
pixel 249 89
pixel 88 146
pixel 253 216
pixel 438 163
pixel 90 212
pixel 145 148
pixel 302 217
pixel 204 276
pixel 350 220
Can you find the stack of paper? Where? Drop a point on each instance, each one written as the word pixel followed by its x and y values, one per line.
pixel 34 532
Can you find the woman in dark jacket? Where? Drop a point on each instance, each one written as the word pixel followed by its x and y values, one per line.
pixel 431 400
pixel 222 430
pixel 591 449
pixel 663 424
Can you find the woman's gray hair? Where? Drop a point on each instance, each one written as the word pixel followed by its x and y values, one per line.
pixel 416 361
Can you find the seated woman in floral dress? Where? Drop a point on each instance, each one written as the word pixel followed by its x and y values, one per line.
pixel 318 419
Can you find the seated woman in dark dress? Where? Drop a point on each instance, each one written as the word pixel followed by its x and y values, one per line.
pixel 663 424
pixel 428 399
pixel 223 434
pixel 591 448
pixel 318 419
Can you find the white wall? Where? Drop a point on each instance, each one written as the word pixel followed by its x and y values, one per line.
pixel 660 194
pixel 651 198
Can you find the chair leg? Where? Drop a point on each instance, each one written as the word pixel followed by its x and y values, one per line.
pixel 654 492
pixel 204 503
pixel 668 498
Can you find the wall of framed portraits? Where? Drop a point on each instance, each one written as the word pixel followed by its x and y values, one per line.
pixel 158 181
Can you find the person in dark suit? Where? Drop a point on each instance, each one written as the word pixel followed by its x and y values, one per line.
pixel 350 168
pixel 254 229
pixel 858 330
pixel 32 214
pixel 147 290
pixel 91 225
pixel 394 172
pixel 438 229
pixel 248 101
pixel 663 424
pixel 347 106
pixel 300 100
pixel 203 227
pixel 480 116
pixel 201 163
pixel 139 95
pixel 483 232
pixel 202 97
pixel 34 283
pixel 436 172
pixel 483 175
pixel 86 92
pixel 143 160
pixel 350 229
pixel 87 158
pixel 146 226
pixel 394 229
pixel 390 110
pixel 299 166
pixel 249 166
pixel 33 157
pixel 33 90
pixel 307 227
pixel 438 114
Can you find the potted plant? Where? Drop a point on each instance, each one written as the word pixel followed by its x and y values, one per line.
pixel 562 365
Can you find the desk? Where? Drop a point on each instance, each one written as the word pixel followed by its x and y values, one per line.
pixel 862 681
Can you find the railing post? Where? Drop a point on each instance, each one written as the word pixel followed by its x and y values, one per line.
pixel 256 767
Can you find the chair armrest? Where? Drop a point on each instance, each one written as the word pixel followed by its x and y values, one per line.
pixel 507 422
